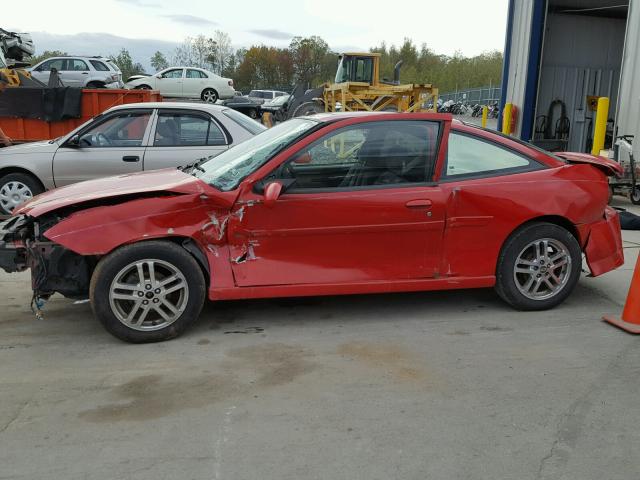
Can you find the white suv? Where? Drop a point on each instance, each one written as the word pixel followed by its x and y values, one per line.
pixel 83 72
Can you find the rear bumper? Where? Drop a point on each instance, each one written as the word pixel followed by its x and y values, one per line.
pixel 604 245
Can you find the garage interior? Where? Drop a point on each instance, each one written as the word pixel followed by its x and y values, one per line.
pixel 581 56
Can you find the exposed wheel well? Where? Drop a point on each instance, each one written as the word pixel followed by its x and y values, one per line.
pixel 556 220
pixel 191 247
pixel 9 170
pixel 96 82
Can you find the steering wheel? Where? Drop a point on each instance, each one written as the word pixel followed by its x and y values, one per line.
pixel 102 140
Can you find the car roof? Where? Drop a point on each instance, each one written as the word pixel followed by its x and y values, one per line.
pixel 176 105
pixel 337 116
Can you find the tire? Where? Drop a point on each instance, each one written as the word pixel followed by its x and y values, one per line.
pixel 186 293
pixel 308 108
pixel 634 195
pixel 142 87
pixel 16 188
pixel 253 113
pixel 209 95
pixel 96 85
pixel 518 251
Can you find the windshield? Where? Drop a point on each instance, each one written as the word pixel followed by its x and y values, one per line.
pixel 245 122
pixel 227 170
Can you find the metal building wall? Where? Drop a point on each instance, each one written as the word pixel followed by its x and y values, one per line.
pixel 518 56
pixel 628 108
pixel 581 56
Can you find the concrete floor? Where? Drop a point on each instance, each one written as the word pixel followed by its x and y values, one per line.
pixel 443 385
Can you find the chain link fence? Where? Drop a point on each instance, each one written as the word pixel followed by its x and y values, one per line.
pixel 481 95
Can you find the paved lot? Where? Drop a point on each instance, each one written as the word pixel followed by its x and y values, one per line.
pixel 448 385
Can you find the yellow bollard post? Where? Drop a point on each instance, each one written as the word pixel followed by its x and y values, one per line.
pixel 600 128
pixel 485 115
pixel 506 119
pixel 267 119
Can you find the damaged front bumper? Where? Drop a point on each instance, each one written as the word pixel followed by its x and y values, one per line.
pixel 53 267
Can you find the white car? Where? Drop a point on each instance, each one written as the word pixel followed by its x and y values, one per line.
pixel 83 72
pixel 187 82
pixel 125 139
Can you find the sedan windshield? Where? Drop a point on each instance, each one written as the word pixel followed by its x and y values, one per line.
pixel 227 170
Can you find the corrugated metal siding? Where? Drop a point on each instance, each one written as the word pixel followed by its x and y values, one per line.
pixel 628 115
pixel 519 57
pixel 582 56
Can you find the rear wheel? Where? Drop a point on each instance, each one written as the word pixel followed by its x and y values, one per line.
pixel 253 113
pixel 538 267
pixel 147 292
pixel 15 189
pixel 209 95
pixel 143 87
pixel 95 85
pixel 634 195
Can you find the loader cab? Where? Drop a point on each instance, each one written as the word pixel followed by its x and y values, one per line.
pixel 358 67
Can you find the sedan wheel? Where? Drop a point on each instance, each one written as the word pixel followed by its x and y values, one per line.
pixel 147 292
pixel 15 189
pixel 538 267
pixel 210 95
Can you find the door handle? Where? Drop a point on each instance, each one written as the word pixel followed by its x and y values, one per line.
pixel 130 158
pixel 419 204
pixel 85 73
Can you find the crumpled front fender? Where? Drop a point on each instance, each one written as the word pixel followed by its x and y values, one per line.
pixel 604 245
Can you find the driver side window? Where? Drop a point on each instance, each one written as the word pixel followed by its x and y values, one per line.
pixel 173 73
pixel 123 130
pixel 367 155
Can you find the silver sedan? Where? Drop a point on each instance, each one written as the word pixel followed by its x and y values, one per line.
pixel 124 139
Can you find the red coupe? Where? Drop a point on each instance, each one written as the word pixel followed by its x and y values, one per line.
pixel 323 205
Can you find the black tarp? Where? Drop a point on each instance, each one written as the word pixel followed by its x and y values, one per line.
pixel 48 104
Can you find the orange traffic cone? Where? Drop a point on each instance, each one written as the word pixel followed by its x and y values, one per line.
pixel 630 321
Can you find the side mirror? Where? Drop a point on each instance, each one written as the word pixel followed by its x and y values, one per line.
pixel 74 141
pixel 271 193
pixel 303 158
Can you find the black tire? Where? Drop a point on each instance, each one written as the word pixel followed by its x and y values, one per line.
pixel 505 271
pixel 252 113
pixel 634 195
pixel 96 85
pixel 209 95
pixel 33 185
pixel 111 265
pixel 142 87
pixel 308 108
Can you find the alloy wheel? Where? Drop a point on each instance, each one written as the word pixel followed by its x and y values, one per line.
pixel 148 295
pixel 542 269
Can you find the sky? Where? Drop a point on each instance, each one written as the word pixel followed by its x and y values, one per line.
pixel 446 26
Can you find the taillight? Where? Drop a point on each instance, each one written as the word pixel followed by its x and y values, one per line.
pixel 230 83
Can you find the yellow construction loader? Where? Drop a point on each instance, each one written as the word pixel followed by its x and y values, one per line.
pixel 15 48
pixel 357 88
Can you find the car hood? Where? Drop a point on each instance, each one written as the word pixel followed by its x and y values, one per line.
pixel 609 167
pixel 33 147
pixel 170 180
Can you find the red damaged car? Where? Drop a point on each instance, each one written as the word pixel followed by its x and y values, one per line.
pixel 323 205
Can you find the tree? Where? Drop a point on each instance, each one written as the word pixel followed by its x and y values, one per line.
pixel 159 61
pixel 124 61
pixel 221 52
pixel 310 57
pixel 46 54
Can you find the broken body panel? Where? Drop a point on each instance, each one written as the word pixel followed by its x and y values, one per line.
pixel 352 241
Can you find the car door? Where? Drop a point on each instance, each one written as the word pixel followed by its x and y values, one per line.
pixel 43 71
pixel 181 137
pixel 75 72
pixel 170 83
pixel 194 83
pixel 113 145
pixel 360 207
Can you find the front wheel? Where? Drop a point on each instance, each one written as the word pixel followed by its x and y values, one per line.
pixel 538 267
pixel 209 95
pixel 15 189
pixel 634 195
pixel 148 291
